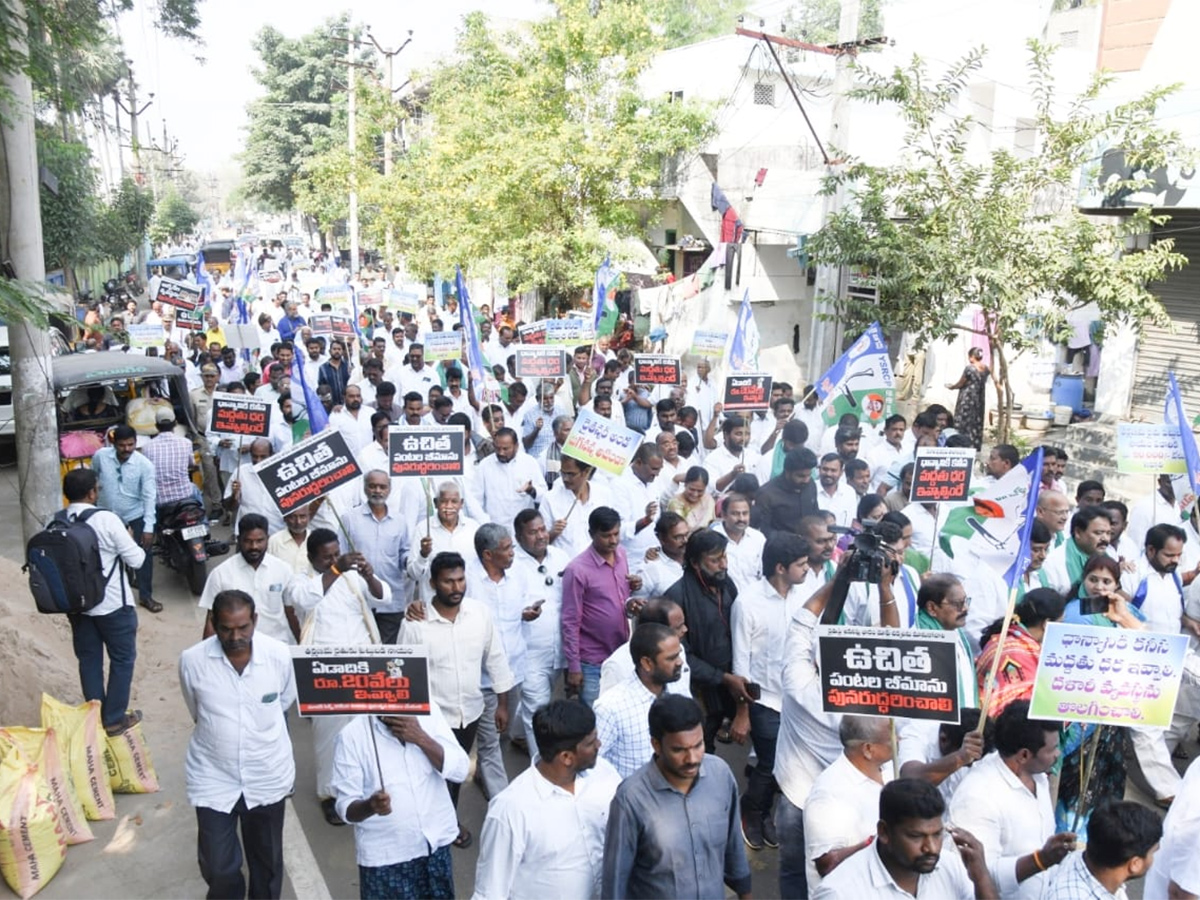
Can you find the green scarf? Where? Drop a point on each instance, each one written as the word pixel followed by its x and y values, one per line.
pixel 1041 579
pixel 1076 560
pixel 1058 539
pixel 968 690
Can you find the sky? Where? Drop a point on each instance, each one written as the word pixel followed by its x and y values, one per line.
pixel 204 103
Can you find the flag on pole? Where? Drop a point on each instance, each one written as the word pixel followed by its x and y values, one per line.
pixel 204 279
pixel 745 340
pixel 1173 414
pixel 995 526
pixel 318 419
pixel 603 299
pixel 475 363
pixel 861 381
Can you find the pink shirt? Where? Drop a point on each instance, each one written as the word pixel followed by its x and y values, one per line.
pixel 594 623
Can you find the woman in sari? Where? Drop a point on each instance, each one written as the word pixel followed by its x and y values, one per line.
pixel 1100 586
pixel 694 503
pixel 1021 649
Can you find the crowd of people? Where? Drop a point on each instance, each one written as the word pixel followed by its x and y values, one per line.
pixel 618 628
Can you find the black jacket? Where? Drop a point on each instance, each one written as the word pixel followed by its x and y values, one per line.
pixel 709 641
pixel 778 506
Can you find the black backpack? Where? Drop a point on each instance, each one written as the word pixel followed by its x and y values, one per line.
pixel 63 562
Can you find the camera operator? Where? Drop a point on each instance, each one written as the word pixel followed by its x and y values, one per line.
pixel 864 605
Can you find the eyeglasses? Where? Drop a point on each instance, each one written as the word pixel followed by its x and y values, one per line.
pixel 958 604
pixel 548 577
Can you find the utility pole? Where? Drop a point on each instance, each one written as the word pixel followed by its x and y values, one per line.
pixel 351 115
pixel 133 112
pixel 389 56
pixel 21 257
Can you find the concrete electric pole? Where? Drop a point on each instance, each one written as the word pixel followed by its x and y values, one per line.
pixel 35 421
pixel 352 122
pixel 389 56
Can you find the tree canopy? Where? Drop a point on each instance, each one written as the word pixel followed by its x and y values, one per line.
pixel 542 149
pixel 946 228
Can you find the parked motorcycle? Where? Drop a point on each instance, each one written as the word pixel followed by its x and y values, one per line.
pixel 183 542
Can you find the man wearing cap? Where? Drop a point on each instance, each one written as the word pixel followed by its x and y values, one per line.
pixel 201 399
pixel 171 455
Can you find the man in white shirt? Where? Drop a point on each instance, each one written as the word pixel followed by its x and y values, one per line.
pixel 448 531
pixel 636 493
pixel 239 768
pixel 745 548
pixel 619 667
pixel 544 834
pixel 1176 869
pixel 702 394
pixel 1161 507
pixel 910 856
pixel 353 420
pixel 833 494
pixel 461 641
pixel 264 577
pixel 402 852
pixel 621 712
pixel 567 505
pixel 733 457
pixel 1004 801
pixel 245 492
pixel 662 566
pixel 110 625
pixel 759 626
pixel 888 452
pixel 540 566
pixel 416 376
pixel 842 808
pixel 290 543
pixel 1091 531
pixel 509 481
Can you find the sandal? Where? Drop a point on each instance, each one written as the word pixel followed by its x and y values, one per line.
pixel 329 807
pixel 463 841
pixel 131 718
pixel 153 605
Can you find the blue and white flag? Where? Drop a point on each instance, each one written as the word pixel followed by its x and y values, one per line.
pixel 475 363
pixel 606 279
pixel 318 419
pixel 745 340
pixel 861 381
pixel 1173 414
pixel 205 280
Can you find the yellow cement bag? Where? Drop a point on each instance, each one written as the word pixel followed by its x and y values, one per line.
pixel 78 729
pixel 130 769
pixel 32 843
pixel 39 747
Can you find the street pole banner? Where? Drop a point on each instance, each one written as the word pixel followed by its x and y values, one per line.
pixel 428 450
pixel 180 294
pixel 708 343
pixel 898 673
pixel 337 326
pixel 146 335
pixel 654 369
pixel 308 470
pixel 747 392
pixel 541 362
pixel 240 415
pixel 1109 676
pixel 570 332
pixel 942 475
pixel 533 333
pixel 1150 449
pixel 601 442
pixel 861 381
pixel 372 680
pixel 440 345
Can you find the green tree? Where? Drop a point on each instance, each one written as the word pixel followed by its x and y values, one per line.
pixel 816 21
pixel 70 206
pixel 174 218
pixel 125 221
pixel 688 21
pixel 292 122
pixel 948 229
pixel 542 149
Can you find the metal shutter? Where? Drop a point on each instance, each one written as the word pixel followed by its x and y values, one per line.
pixel 1160 351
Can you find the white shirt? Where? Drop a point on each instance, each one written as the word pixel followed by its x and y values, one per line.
pixel 632 496
pixel 343 615
pixel 254 497
pixel 266 585
pixel 657 574
pixel 842 810
pixel 918 742
pixel 1148 512
pixel 560 503
pixel 863 876
pixel 621 725
pixel 461 541
pixel 882 457
pixel 506 599
pixel 422 818
pixel 863 602
pixel 815 422
pixel 1008 821
pixel 114 542
pixel 501 485
pixel 759 624
pixel 407 379
pixel 457 651
pixel 543 636
pixel 843 503
pixel 283 546
pixel 618 668
pixel 540 841
pixel 721 462
pixel 1177 859
pixel 744 557
pixel 924 526
pixel 240 744
pixel 1163 596
pixel 355 429
pixel 808 740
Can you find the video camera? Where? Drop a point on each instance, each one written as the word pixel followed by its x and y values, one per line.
pixel 868 558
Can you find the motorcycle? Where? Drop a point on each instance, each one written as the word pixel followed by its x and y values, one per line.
pixel 133 287
pixel 183 542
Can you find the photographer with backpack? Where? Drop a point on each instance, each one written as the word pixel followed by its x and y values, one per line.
pixel 108 618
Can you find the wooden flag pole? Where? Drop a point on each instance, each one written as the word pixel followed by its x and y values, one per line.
pixel 990 684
